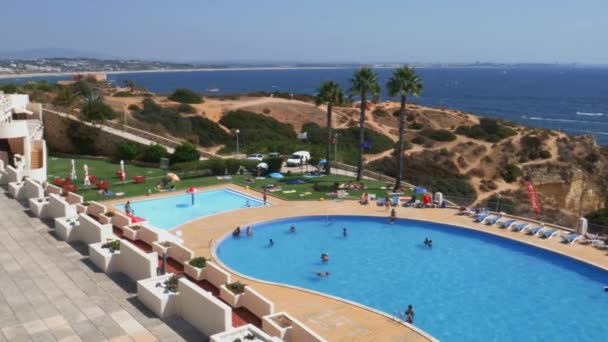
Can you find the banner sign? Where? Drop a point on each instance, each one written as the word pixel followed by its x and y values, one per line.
pixel 533 197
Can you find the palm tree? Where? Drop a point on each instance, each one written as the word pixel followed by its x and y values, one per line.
pixel 364 81
pixel 403 83
pixel 329 93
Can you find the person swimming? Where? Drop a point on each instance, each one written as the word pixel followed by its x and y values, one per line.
pixel 236 232
pixel 325 257
pixel 292 229
pixel 249 231
pixel 247 204
pixel 410 310
pixel 322 274
pixel 428 242
pixel 344 232
pixel 270 243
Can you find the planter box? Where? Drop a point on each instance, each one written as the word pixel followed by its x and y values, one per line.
pixel 240 333
pixel 158 248
pixel 272 327
pixel 103 257
pixel 229 297
pixel 81 208
pixel 151 292
pixel 65 225
pixel 195 273
pixel 131 234
pixel 103 219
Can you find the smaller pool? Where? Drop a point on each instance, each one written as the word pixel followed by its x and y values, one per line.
pixel 170 212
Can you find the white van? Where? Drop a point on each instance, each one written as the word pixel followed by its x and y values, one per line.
pixel 298 158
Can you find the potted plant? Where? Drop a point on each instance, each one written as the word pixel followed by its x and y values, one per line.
pixel 172 284
pixel 232 292
pixel 113 246
pixel 195 268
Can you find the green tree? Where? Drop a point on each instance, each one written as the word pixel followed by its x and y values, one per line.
pixel 65 97
pixel 152 153
pixel 185 152
pixel 403 83
pixel 125 150
pixel 95 110
pixel 183 95
pixel 82 88
pixel 129 84
pixel 364 82
pixel 329 93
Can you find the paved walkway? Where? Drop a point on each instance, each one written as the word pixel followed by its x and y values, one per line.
pixel 49 291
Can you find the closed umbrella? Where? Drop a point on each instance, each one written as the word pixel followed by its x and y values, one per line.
pixel 87 182
pixel 123 173
pixel 262 166
pixel 73 170
pixel 276 175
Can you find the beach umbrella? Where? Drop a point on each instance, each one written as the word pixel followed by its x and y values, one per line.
pixel 73 170
pixel 87 182
pixel 420 191
pixel 262 166
pixel 276 175
pixel 191 190
pixel 173 177
pixel 122 170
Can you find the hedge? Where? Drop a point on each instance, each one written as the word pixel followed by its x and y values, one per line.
pixel 184 95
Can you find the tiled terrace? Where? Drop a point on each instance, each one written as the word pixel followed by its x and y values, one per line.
pixel 49 291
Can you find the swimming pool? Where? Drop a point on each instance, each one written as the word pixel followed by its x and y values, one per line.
pixel 170 212
pixel 470 286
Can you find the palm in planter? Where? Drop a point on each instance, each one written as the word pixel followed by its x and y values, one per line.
pixel 403 83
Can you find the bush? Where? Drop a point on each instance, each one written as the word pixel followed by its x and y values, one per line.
pixel 82 137
pixel 274 164
pixel 123 94
pixel 266 111
pixel 511 173
pixel 544 154
pixel 184 153
pixel 9 88
pixel 379 112
pixel 418 140
pixel 112 245
pixel 183 95
pixel 152 153
pixel 94 109
pixel 216 166
pixel 82 88
pixel 125 151
pixel 439 135
pixel 488 129
pixel 186 108
pixel 237 287
pixel 134 108
pixel 198 262
pixel 416 126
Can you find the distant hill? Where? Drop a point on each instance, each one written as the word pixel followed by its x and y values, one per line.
pixel 51 53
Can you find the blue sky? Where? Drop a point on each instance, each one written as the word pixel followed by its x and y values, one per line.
pixel 561 31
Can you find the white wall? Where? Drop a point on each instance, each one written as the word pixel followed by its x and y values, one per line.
pixel 91 231
pixel 256 303
pixel 32 189
pixel 135 263
pixel 59 207
pixel 205 312
pixel 216 275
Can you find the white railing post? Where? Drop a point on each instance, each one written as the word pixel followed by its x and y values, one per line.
pixel 582 226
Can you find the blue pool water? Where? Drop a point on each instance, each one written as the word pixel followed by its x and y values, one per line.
pixel 470 286
pixel 170 212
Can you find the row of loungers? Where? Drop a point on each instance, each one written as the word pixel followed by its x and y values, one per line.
pixel 528 228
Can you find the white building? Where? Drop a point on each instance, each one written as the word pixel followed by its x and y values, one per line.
pixel 22 148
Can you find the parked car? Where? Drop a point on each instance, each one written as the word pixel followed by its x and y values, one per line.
pixel 274 155
pixel 298 158
pixel 255 156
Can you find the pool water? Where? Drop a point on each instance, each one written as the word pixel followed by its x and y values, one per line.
pixel 470 286
pixel 170 212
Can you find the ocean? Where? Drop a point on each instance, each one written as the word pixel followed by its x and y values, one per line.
pixel 573 99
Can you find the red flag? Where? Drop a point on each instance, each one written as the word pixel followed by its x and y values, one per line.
pixel 533 197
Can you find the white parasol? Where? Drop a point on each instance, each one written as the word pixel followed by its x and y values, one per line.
pixel 262 166
pixel 87 182
pixel 73 170
pixel 122 169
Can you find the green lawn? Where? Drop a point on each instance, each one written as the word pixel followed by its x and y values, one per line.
pixel 105 170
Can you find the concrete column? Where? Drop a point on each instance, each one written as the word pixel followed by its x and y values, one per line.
pixel 438 198
pixel 582 226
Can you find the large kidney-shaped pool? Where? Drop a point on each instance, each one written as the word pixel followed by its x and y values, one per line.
pixel 470 286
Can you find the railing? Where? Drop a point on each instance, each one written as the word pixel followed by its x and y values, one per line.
pixel 367 173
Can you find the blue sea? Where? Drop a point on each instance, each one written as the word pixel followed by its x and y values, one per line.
pixel 574 99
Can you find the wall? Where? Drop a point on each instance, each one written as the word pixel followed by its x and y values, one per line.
pixel 32 189
pixel 147 235
pixel 95 208
pixel 202 310
pixel 179 253
pixel 135 263
pixel 58 207
pixel 73 198
pixel 52 189
pixel 216 275
pixel 91 231
pixel 256 303
pixel 120 220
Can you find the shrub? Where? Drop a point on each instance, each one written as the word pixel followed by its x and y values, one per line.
pixel 152 153
pixel 172 284
pixel 134 108
pixel 274 164
pixel 439 135
pixel 82 88
pixel 184 153
pixel 65 97
pixel 82 137
pixel 544 154
pixel 183 95
pixel 418 140
pixel 9 88
pixel 511 173
pixel 94 109
pixel 379 112
pixel 266 111
pixel 237 287
pixel 488 129
pixel 113 246
pixel 125 151
pixel 198 262
pixel 186 108
pixel 123 94
pixel 416 126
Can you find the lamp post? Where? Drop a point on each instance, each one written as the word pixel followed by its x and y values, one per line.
pixel 237 141
pixel 335 148
pixel 125 121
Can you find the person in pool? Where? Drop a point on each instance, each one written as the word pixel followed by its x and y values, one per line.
pixel 391 219
pixel 322 274
pixel 236 232
pixel 428 242
pixel 325 257
pixel 249 231
pixel 292 229
pixel 270 243
pixel 247 204
pixel 344 232
pixel 410 311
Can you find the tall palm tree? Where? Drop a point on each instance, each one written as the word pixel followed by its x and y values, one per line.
pixel 329 93
pixel 364 82
pixel 403 83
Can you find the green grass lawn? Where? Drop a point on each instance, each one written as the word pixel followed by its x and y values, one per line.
pixel 105 170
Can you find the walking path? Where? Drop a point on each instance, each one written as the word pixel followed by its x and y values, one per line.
pixel 50 291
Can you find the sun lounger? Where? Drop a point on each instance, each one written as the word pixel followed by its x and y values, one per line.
pixel 481 217
pixel 493 220
pixel 380 201
pixel 520 226
pixel 571 238
pixel 549 233
pixel 507 224
pixel 395 201
pixel 535 230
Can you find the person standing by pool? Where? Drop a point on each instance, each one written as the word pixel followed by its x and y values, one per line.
pixel 344 232
pixel 391 219
pixel 128 209
pixel 292 229
pixel 264 196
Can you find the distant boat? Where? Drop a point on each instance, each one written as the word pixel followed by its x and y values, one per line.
pixel 213 90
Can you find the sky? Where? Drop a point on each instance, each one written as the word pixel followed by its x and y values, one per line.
pixel 448 31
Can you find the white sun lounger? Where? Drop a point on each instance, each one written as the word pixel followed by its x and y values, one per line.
pixel 535 230
pixel 549 233
pixel 481 217
pixel 571 238
pixel 507 224
pixel 493 220
pixel 520 226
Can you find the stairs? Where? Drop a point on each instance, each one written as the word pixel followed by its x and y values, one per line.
pixel 36 159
